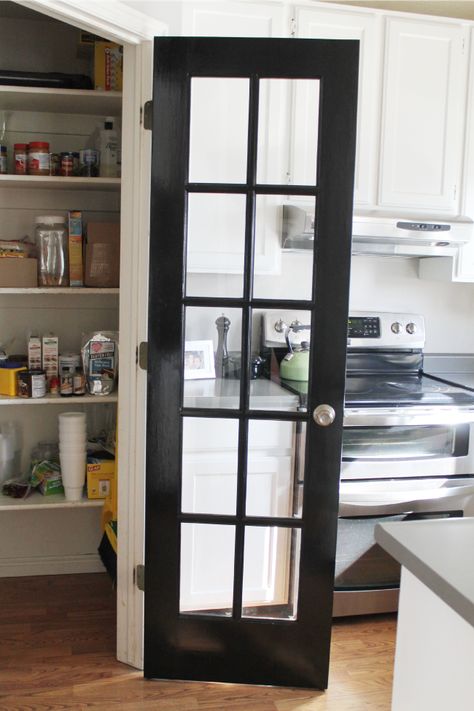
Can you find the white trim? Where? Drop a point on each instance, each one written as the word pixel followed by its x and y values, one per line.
pixel 133 321
pixel 50 565
pixel 111 20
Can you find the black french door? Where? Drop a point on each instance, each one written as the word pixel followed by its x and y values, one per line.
pixel 242 475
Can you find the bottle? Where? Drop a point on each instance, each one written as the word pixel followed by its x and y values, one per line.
pixel 108 146
pixel 66 383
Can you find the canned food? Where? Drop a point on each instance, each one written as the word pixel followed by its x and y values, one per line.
pixel 67 164
pixel 89 163
pixel 32 383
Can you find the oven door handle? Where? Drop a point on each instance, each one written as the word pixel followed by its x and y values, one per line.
pixel 390 418
pixel 392 504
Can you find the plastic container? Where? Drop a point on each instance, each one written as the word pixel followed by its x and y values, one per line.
pixel 38 158
pixel 109 150
pixel 20 157
pixel 8 380
pixel 52 251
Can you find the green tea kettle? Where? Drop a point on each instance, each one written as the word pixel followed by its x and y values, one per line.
pixel 295 365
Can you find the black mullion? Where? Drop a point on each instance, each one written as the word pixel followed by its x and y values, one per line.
pixel 260 189
pixel 237 302
pixel 227 519
pixel 246 335
pixel 284 415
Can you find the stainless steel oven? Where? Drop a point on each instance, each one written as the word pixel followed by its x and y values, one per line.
pixel 408 449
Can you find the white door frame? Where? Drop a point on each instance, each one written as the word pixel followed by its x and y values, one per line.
pixel 117 22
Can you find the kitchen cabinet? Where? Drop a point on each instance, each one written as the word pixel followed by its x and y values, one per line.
pixel 209 485
pixel 327 23
pixel 423 110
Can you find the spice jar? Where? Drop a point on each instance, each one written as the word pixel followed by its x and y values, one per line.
pixel 20 156
pixel 51 244
pixel 67 164
pixel 3 160
pixel 38 158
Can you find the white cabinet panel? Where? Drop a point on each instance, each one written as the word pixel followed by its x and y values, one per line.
pixel 423 114
pixel 319 23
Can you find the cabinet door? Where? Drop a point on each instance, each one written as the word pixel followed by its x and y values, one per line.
pixel 209 484
pixel 234 19
pixel 423 114
pixel 320 23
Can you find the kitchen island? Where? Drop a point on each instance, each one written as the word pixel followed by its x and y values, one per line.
pixel 434 657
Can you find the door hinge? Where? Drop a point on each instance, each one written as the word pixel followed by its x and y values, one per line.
pixel 292 27
pixel 148 115
pixel 142 355
pixel 139 577
pixel 455 192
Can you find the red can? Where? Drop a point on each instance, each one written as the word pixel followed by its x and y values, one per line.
pixel 20 156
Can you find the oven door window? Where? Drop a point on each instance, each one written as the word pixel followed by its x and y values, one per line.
pixel 405 442
pixel 361 564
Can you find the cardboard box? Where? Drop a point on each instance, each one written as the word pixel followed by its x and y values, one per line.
pixel 18 272
pixel 108 66
pixel 100 477
pixel 34 353
pixel 76 265
pixel 102 255
pixel 50 354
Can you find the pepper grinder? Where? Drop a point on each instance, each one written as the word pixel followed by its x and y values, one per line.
pixel 222 354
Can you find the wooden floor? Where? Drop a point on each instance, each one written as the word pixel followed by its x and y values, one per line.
pixel 57 647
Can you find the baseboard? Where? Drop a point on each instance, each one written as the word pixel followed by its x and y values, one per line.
pixel 50 565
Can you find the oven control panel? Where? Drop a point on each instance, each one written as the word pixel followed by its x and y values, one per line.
pixel 363 327
pixel 366 329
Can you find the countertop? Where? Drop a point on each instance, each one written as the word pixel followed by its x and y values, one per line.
pixel 440 553
pixel 457 369
pixel 224 393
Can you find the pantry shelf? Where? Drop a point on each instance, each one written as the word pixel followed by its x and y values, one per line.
pixel 64 101
pixel 58 400
pixel 38 501
pixel 59 182
pixel 57 291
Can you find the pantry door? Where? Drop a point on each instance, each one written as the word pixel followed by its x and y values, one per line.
pixel 243 460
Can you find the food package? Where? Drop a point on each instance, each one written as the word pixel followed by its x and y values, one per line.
pixel 108 66
pixel 102 267
pixel 100 361
pixel 76 267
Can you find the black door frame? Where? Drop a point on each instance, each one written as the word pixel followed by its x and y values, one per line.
pixel 184 646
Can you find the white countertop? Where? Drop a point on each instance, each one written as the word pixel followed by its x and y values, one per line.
pixel 440 553
pixel 224 393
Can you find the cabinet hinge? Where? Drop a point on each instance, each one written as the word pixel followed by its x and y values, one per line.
pixel 142 355
pixel 148 115
pixel 455 191
pixel 292 27
pixel 139 577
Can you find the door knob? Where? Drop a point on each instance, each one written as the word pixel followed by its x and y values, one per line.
pixel 324 415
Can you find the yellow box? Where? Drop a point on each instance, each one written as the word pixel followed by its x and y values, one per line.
pixel 8 382
pixel 108 66
pixel 100 478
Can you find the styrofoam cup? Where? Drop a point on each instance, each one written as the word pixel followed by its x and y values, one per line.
pixel 72 416
pixel 73 469
pixel 72 437
pixel 73 493
pixel 73 452
pixel 80 430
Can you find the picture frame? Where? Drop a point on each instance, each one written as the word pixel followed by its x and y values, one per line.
pixel 199 360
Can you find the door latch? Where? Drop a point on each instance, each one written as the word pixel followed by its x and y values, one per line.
pixel 142 356
pixel 140 577
pixel 148 115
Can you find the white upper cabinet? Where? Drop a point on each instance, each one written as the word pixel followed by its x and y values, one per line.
pixel 424 101
pixel 326 23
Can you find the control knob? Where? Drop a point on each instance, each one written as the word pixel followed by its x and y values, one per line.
pixel 411 328
pixel 396 327
pixel 280 326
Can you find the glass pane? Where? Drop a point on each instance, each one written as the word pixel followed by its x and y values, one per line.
pixel 215 246
pixel 399 442
pixel 281 223
pixel 287 372
pixel 207 568
pixel 209 475
pixel 304 132
pixel 219 130
pixel 212 357
pixel 275 468
pixel 288 107
pixel 271 572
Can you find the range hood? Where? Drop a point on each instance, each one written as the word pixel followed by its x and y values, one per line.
pixel 382 235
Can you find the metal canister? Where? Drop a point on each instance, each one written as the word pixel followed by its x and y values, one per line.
pixel 32 383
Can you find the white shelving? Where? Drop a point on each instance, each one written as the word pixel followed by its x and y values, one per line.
pixel 58 182
pixel 61 291
pixel 58 400
pixel 38 501
pixel 65 101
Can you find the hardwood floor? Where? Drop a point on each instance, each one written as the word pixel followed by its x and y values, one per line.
pixel 57 653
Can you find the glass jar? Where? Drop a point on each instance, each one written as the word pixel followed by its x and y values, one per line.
pixel 52 249
pixel 38 158
pixel 3 160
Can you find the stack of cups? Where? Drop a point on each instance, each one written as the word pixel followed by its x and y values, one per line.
pixel 72 453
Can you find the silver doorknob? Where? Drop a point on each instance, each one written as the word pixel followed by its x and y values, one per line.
pixel 324 415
